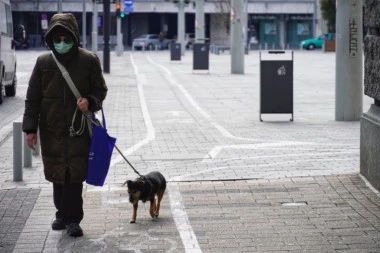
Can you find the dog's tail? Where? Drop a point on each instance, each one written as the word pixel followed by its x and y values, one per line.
pixel 125 183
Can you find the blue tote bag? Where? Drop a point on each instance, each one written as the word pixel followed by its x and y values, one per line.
pixel 99 158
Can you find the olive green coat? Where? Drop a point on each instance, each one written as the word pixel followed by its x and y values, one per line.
pixel 50 105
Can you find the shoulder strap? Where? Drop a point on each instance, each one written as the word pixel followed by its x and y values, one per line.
pixel 74 89
pixel 67 77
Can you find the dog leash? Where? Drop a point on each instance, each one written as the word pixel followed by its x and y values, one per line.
pixel 128 162
pixel 74 89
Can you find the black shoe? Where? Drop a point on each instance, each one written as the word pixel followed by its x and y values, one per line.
pixel 74 230
pixel 58 224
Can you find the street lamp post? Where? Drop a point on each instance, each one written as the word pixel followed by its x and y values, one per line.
pixel 94 27
pixel 181 25
pixel 199 21
pixel 84 25
pixel 59 6
pixel 237 42
pixel 107 28
pixel 349 61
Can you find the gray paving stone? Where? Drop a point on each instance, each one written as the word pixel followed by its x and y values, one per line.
pixel 229 172
pixel 17 204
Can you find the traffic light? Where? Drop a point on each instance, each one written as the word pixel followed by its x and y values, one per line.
pixel 118 11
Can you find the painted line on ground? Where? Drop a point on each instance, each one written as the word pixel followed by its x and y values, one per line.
pixel 169 76
pixel 150 135
pixel 188 177
pixel 217 149
pixel 181 220
pixel 213 153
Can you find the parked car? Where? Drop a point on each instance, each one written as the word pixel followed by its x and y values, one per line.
pixel 314 43
pixel 149 42
pixel 8 79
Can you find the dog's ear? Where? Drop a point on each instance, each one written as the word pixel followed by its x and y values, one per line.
pixel 127 182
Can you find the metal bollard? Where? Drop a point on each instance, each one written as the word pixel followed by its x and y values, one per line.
pixel 17 152
pixel 27 154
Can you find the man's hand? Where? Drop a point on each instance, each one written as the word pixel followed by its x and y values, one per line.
pixel 31 139
pixel 82 104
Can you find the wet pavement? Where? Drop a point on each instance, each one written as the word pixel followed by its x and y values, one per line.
pixel 235 184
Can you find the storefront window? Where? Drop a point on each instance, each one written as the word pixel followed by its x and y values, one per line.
pixel 298 28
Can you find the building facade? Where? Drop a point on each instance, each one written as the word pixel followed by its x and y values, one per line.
pixel 270 23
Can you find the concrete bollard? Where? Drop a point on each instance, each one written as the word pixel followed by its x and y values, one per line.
pixel 17 152
pixel 27 154
pixel 101 57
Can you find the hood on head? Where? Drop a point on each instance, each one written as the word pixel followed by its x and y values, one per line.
pixel 66 21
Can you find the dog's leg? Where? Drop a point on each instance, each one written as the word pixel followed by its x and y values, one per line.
pixel 160 194
pixel 134 214
pixel 152 207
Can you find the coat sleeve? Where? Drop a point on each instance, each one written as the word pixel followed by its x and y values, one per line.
pixel 33 102
pixel 98 90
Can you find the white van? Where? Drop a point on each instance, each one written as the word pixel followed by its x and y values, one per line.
pixel 8 79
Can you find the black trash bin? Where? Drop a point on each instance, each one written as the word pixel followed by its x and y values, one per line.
pixel 175 51
pixel 201 56
pixel 276 84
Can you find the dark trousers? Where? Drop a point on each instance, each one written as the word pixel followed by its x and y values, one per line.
pixel 69 202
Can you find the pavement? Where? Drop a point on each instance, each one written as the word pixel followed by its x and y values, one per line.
pixel 235 184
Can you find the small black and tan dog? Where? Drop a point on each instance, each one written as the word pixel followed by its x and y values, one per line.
pixel 146 188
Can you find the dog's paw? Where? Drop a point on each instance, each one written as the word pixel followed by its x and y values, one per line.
pixel 132 221
pixel 156 215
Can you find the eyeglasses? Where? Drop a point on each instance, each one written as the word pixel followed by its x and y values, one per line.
pixel 65 38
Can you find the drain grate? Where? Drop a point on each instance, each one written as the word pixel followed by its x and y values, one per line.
pixel 303 203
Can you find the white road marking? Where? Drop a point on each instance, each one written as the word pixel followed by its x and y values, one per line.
pixel 267 164
pixel 184 228
pixel 150 135
pixel 221 129
pixel 217 149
